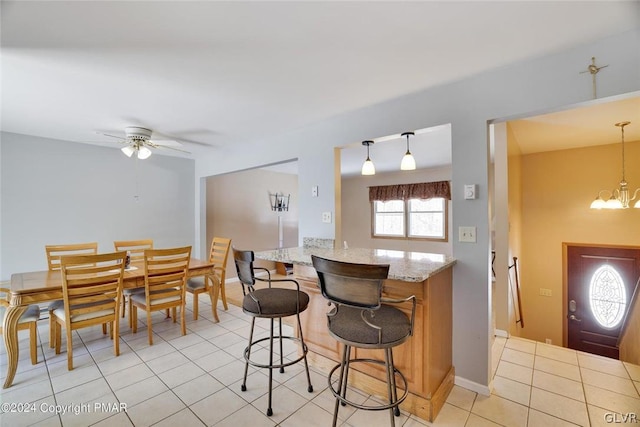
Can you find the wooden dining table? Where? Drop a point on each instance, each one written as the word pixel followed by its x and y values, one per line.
pixel 42 286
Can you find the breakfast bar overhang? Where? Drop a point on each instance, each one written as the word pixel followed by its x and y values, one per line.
pixel 425 359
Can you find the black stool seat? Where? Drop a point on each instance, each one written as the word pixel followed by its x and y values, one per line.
pixel 276 302
pixel 348 326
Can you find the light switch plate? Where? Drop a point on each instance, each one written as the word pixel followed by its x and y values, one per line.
pixel 326 217
pixel 314 191
pixel 467 234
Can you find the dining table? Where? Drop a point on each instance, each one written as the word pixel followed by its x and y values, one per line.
pixel 43 286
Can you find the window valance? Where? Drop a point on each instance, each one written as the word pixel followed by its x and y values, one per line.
pixel 423 190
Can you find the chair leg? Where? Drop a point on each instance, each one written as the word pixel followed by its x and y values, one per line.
pixel 149 330
pixel 69 349
pixel 306 365
pixel 116 336
pixel 133 317
pixel 183 323
pixel 281 351
pixel 124 305
pixel 58 339
pixel 130 318
pixel 104 329
pixel 342 378
pixel 195 305
pixel 52 329
pixel 33 343
pixel 173 314
pixel 223 294
pixel 390 381
pixel 269 409
pixel 393 377
pixel 247 356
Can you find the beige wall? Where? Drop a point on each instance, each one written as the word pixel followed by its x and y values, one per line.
pixel 557 189
pixel 515 229
pixel 238 208
pixel 356 210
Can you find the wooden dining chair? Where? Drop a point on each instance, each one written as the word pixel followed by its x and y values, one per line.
pixel 197 285
pixel 27 321
pixel 165 277
pixel 91 290
pixel 136 249
pixel 54 253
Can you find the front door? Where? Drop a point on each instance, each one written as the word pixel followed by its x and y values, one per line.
pixel 600 284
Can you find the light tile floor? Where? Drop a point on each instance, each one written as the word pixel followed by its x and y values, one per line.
pixel 194 380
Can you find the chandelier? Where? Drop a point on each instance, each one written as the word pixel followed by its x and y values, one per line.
pixel 618 197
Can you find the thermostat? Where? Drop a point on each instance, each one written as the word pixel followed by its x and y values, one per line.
pixel 470 191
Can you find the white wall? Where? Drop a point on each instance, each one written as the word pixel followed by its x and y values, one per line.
pixel 532 86
pixel 56 192
pixel 356 211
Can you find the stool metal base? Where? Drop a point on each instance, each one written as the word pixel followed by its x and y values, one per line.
pixel 271 366
pixel 340 389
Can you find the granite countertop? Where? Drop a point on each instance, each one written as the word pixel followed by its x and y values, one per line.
pixel 404 266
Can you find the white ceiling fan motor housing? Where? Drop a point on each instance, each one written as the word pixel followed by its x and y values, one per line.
pixel 139 133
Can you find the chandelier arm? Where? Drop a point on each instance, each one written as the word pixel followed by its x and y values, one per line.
pixel 635 194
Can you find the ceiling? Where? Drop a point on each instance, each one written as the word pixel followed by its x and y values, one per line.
pixel 214 74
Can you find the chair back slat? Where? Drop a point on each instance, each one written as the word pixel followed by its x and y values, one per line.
pixel 355 285
pixel 91 283
pixel 54 252
pixel 135 248
pixel 166 272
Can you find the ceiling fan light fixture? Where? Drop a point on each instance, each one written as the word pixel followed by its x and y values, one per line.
pixel 128 150
pixel 144 153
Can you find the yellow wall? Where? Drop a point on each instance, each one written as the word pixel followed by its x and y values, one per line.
pixel 557 189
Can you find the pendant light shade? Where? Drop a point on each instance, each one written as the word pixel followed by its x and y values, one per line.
pixel 128 150
pixel 408 162
pixel 143 153
pixel 367 167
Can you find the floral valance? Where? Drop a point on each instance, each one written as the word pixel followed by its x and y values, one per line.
pixel 423 190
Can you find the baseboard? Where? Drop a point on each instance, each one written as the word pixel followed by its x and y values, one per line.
pixel 501 333
pixel 473 386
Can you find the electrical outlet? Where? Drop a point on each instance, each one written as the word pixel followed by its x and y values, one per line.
pixel 467 234
pixel 548 341
pixel 326 217
pixel 545 292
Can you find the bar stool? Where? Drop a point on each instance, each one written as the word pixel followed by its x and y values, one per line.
pixel 362 318
pixel 271 303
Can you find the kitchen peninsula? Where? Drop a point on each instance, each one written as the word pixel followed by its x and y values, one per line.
pixel 425 359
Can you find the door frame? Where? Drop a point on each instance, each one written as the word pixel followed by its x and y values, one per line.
pixel 565 281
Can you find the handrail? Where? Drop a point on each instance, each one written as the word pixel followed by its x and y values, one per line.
pixel 518 298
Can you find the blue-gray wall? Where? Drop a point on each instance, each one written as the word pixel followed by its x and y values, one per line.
pixel 55 192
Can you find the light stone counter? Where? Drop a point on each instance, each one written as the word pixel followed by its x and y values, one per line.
pixel 403 266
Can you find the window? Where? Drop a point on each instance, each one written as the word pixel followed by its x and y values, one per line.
pixel 410 211
pixel 413 218
pixel 607 297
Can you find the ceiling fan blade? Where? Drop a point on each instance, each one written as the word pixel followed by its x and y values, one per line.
pixel 166 142
pixel 113 136
pixel 154 145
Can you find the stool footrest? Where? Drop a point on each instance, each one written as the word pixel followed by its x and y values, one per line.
pixel 305 350
pixel 344 400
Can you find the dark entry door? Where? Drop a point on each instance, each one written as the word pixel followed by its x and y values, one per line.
pixel 601 282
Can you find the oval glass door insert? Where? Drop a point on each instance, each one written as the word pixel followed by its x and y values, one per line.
pixel 607 297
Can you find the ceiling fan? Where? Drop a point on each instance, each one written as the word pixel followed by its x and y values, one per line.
pixel 138 140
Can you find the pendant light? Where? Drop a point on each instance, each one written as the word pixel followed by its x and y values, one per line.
pixel 619 198
pixel 408 162
pixel 367 167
